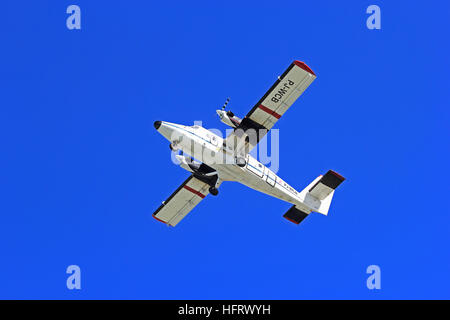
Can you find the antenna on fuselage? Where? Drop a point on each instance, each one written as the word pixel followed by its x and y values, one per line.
pixel 225 104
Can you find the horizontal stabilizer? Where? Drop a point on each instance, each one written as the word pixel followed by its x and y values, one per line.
pixel 316 196
pixel 326 185
pixel 295 215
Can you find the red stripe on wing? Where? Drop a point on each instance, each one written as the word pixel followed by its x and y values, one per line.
pixel 159 219
pixel 271 112
pixel 304 66
pixel 194 191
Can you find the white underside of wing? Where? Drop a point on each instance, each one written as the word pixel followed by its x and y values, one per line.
pixel 174 209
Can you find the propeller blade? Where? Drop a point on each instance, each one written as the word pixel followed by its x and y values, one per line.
pixel 225 104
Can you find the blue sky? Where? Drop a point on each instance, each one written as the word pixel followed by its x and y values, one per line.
pixel 83 168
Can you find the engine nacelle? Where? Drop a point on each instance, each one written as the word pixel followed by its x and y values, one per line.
pixel 201 171
pixel 185 162
pixel 229 118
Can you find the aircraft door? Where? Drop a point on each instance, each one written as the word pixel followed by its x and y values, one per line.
pixel 271 177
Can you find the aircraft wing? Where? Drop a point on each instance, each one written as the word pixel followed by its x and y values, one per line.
pixel 182 201
pixel 263 116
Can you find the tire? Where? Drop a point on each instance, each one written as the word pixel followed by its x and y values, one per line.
pixel 213 191
pixel 240 162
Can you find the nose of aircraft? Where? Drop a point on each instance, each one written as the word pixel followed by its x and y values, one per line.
pixel 170 131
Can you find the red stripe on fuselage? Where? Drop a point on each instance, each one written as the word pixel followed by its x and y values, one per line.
pixel 194 191
pixel 272 113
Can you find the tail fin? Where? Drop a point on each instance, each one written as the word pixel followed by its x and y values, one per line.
pixel 316 197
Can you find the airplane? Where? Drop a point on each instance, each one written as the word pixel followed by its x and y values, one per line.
pixel 228 159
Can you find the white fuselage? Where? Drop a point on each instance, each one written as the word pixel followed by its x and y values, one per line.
pixel 207 147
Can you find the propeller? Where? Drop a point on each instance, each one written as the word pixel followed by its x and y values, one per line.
pixel 225 104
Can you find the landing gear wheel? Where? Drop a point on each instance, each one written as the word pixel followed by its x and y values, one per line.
pixel 173 148
pixel 213 191
pixel 240 162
